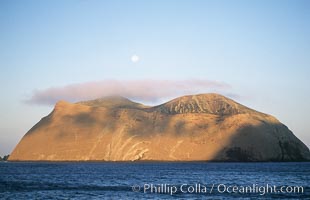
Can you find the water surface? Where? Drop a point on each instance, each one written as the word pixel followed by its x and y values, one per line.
pixel 108 180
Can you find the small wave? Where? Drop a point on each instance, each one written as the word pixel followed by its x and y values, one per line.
pixel 30 186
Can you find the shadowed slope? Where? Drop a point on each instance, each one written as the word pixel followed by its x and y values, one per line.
pixel 205 127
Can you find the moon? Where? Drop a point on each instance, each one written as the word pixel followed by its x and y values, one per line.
pixel 135 58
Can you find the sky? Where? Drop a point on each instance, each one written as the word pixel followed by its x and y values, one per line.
pixel 255 52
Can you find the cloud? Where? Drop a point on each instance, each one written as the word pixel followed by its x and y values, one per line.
pixel 151 91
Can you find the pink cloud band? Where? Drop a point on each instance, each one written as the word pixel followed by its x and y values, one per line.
pixel 143 90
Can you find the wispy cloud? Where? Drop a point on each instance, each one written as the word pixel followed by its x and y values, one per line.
pixel 151 91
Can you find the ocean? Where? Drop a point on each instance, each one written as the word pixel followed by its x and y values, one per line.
pixel 154 180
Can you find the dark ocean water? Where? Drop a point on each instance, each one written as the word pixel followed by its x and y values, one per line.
pixel 195 180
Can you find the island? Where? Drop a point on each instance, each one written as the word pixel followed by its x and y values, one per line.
pixel 203 127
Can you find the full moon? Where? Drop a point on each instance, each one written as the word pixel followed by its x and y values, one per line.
pixel 135 58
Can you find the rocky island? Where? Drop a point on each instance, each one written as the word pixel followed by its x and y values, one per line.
pixel 205 127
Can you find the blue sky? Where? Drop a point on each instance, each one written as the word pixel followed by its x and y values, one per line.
pixel 259 49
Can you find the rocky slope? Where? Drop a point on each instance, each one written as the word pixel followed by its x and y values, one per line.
pixel 206 127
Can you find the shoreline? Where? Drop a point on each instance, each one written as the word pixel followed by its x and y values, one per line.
pixel 147 161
